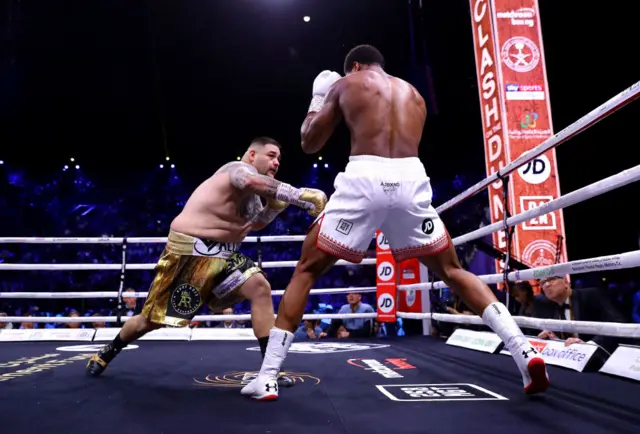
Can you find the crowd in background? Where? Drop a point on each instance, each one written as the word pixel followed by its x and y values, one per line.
pixel 71 204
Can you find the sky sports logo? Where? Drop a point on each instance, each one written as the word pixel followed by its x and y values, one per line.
pixel 524 92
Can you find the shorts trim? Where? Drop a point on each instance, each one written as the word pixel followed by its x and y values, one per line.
pixel 436 246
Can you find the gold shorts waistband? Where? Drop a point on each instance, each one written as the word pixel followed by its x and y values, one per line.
pixel 188 245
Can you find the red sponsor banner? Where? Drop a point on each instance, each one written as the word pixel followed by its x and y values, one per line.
pixel 385 280
pixel 409 273
pixel 518 38
pixel 492 110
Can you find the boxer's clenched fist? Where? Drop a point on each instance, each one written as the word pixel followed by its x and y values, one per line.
pixel 316 198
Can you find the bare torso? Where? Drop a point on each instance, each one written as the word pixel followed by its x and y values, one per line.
pixel 384 114
pixel 218 211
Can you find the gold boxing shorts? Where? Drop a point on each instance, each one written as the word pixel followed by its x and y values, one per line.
pixel 192 272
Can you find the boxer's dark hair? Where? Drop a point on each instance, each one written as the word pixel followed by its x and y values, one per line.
pixel 264 140
pixel 365 55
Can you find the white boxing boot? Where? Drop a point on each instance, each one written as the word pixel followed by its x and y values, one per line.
pixel 265 386
pixel 531 365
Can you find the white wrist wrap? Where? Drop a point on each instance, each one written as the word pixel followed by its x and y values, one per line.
pixel 288 193
pixel 317 102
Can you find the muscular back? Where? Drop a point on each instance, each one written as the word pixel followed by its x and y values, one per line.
pixel 385 115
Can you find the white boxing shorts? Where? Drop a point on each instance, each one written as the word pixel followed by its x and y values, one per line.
pixel 390 194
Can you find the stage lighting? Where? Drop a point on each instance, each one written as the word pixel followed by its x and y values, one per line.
pixel 306 18
pixel 315 165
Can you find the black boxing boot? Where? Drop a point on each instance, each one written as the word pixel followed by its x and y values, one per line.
pixel 283 380
pixel 99 362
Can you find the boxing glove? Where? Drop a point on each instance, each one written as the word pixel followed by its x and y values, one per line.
pixel 310 199
pixel 321 86
pixel 317 198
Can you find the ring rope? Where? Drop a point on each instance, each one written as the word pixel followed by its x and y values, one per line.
pixel 133 240
pixel 600 263
pixel 590 191
pixel 197 318
pixel 103 267
pixel 587 327
pixel 113 294
pixel 591 118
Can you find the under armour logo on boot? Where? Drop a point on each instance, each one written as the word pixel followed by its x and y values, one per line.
pixel 529 351
pixel 272 387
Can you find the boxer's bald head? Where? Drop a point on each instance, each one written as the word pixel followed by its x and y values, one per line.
pixel 363 57
pixel 264 154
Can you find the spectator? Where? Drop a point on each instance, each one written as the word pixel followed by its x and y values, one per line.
pixel 5 325
pixel 310 329
pixel 353 327
pixel 579 304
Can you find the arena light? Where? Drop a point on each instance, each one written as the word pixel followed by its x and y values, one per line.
pixel 326 166
pixel 77 166
pixel 72 159
pixel 1 162
pixel 306 18
pixel 320 158
pixel 173 166
pixel 64 169
pixel 162 166
pixel 315 165
pixel 238 158
pixel 167 158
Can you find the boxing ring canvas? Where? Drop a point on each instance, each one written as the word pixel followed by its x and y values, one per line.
pixel 402 385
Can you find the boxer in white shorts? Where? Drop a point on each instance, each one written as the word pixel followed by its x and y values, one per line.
pixel 384 186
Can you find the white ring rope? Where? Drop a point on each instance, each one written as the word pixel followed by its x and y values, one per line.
pixel 590 191
pixel 114 294
pixel 597 188
pixel 84 267
pixel 601 263
pixel 591 118
pixel 558 325
pixel 197 318
pixel 133 240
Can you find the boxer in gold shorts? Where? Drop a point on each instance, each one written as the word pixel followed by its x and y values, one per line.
pixel 201 263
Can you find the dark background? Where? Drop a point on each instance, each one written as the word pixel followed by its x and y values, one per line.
pixel 120 85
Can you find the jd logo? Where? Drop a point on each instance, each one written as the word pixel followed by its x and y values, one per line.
pixel 428 226
pixel 383 243
pixel 385 271
pixel 536 171
pixel 385 303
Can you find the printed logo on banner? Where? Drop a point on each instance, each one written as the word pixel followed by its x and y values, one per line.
pixel 327 348
pixel 543 222
pixel 536 171
pixel 438 392
pixel 382 241
pixel 387 369
pixel 520 54
pixel 539 253
pixel 385 271
pixel 521 17
pixel 524 92
pixel 386 303
pixel 410 295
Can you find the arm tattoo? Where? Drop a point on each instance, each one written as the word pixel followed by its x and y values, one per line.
pixel 245 179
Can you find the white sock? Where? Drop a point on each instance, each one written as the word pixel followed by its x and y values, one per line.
pixel 277 348
pixel 502 323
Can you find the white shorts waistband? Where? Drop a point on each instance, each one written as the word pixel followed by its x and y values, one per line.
pixel 375 167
